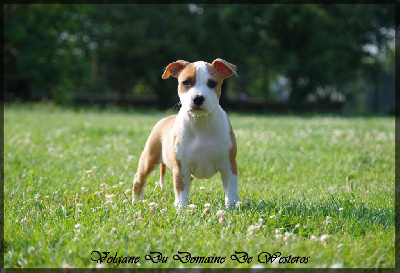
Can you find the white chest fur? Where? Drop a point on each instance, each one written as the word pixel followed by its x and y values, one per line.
pixel 204 143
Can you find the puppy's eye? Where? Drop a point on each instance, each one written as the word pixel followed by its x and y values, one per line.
pixel 187 83
pixel 211 83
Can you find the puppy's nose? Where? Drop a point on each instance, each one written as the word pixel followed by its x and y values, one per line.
pixel 198 100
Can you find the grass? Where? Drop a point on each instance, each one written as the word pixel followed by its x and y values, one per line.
pixel 326 184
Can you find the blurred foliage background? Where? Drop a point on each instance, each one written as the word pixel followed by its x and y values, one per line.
pixel 288 56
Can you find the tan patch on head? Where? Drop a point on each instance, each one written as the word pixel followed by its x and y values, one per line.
pixel 187 74
pixel 215 76
pixel 220 70
pixel 178 177
pixel 233 151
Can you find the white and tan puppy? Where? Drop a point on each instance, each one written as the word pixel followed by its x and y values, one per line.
pixel 199 141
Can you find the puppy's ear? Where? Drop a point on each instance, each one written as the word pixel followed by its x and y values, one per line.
pixel 224 68
pixel 174 69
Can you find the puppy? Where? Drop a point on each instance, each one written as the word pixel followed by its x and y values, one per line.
pixel 199 141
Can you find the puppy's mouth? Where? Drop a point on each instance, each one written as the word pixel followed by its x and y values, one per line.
pixel 197 111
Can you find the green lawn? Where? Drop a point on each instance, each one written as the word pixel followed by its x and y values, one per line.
pixel 317 187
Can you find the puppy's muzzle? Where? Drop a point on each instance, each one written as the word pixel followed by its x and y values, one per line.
pixel 198 100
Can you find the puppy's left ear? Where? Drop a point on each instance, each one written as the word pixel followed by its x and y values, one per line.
pixel 224 68
pixel 174 69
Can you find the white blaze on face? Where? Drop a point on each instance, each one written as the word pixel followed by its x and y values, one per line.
pixel 200 88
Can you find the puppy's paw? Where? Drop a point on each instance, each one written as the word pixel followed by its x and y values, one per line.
pixel 232 204
pixel 136 197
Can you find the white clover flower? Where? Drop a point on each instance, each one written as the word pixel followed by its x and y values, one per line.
pixel 202 188
pixel 113 230
pixel 84 190
pixel 272 217
pixel 79 205
pixel 207 208
pixel 337 265
pixel 260 220
pixel 115 186
pixel 37 196
pixel 125 201
pixel 66 265
pixel 89 173
pixel 287 236
pixel 313 238
pixel 110 196
pixel 279 237
pixel 255 227
pixel 238 204
pixel 31 249
pixel 220 213
pixel 340 209
pixel 297 226
pixel 78 226
pixel 120 182
pixel 251 229
pixel 138 216
pixel 79 211
pixel 153 206
pixel 221 216
pixel 324 238
pixel 192 208
pixel 128 191
pixel 257 266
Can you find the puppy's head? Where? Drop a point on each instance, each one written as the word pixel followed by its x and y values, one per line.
pixel 199 83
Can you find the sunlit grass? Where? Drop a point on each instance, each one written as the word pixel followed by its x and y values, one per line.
pixel 318 187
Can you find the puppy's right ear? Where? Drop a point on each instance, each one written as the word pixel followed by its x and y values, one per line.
pixel 174 69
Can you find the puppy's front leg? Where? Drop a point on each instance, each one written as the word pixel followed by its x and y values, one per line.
pixel 182 181
pixel 231 185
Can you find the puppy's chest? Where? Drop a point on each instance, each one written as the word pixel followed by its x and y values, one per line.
pixel 204 153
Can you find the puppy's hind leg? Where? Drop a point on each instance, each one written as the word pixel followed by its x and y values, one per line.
pixel 147 163
pixel 151 156
pixel 163 169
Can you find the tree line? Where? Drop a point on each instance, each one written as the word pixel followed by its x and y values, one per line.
pixel 58 50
